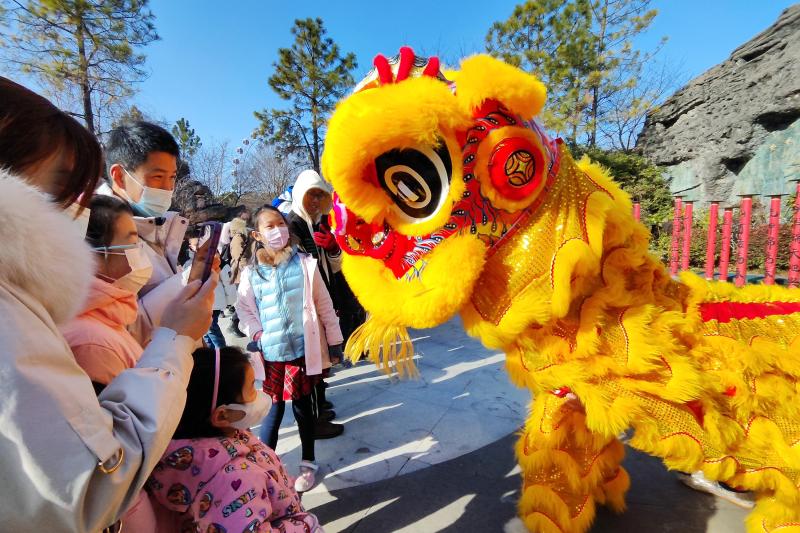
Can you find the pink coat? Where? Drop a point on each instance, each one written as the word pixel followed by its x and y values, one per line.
pixel 320 323
pixel 99 337
pixel 229 484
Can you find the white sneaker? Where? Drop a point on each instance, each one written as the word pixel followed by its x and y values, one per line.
pixel 305 481
pixel 698 481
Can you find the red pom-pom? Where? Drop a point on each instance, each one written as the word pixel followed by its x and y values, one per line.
pixel 517 168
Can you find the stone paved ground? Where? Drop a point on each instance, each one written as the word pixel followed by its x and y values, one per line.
pixel 436 453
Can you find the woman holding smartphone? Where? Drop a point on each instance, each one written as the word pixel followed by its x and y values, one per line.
pixel 72 461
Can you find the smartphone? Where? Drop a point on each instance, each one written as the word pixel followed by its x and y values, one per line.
pixel 207 248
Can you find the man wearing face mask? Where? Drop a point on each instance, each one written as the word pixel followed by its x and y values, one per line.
pixel 142 163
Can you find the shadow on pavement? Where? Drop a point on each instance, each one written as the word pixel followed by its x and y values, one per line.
pixel 473 484
pixel 477 492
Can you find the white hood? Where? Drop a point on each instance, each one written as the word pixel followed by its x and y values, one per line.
pixel 42 252
pixel 307 180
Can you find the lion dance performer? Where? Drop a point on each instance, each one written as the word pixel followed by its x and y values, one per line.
pixel 451 199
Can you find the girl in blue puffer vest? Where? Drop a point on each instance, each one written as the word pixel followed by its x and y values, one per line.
pixel 286 310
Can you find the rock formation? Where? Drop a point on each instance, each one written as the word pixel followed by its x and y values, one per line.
pixel 196 202
pixel 735 129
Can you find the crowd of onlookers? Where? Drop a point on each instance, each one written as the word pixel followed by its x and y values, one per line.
pixel 124 406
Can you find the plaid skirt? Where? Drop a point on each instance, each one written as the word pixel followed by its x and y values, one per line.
pixel 287 380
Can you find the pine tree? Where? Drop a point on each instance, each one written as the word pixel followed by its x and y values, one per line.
pixel 312 75
pixel 132 114
pixel 551 39
pixel 188 141
pixel 583 51
pixel 83 48
pixel 616 65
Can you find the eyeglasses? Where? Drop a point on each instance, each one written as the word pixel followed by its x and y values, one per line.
pixel 118 249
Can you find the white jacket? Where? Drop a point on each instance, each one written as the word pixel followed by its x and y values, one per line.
pixel 53 429
pixel 224 292
pixel 307 180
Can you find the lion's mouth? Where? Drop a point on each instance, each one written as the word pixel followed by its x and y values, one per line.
pixel 400 253
pixel 368 237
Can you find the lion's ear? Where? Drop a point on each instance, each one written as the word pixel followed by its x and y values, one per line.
pixel 483 77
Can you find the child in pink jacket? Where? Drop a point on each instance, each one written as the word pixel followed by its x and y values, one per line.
pixel 217 474
pixel 98 336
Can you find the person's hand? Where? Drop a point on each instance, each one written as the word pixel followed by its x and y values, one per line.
pixel 199 261
pixel 189 313
pixel 336 354
pixel 254 345
pixel 326 241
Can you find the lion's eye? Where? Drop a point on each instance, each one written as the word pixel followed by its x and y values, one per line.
pixel 417 180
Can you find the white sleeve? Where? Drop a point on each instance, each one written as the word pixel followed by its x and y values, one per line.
pixel 53 479
pixel 246 307
pixel 335 262
pixel 146 403
pixel 153 304
pixel 226 280
pixel 225 238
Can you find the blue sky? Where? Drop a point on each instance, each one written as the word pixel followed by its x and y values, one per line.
pixel 211 65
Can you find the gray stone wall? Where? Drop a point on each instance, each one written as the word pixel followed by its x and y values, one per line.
pixel 736 128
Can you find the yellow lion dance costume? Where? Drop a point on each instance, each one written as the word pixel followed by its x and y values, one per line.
pixel 450 199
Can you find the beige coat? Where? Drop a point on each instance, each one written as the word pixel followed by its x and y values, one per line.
pixel 53 429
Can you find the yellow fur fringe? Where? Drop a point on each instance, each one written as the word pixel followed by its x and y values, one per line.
pixel 389 347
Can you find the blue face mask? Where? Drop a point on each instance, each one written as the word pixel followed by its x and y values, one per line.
pixel 154 202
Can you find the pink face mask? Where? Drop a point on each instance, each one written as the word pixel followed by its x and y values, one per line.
pixel 276 238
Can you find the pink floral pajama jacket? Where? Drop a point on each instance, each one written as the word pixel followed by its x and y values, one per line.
pixel 229 485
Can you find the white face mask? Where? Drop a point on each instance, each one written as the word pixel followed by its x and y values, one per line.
pixel 277 237
pixel 139 263
pixel 254 412
pixel 154 202
pixel 80 220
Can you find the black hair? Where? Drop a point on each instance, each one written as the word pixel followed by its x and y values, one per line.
pixel 192 232
pixel 105 210
pixel 32 129
pixel 196 419
pixel 264 208
pixel 130 144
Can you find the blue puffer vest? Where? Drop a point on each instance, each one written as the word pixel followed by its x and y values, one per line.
pixel 279 296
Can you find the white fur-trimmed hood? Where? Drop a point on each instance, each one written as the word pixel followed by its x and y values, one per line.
pixel 41 250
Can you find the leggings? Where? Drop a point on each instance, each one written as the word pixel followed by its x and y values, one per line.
pixel 306 420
